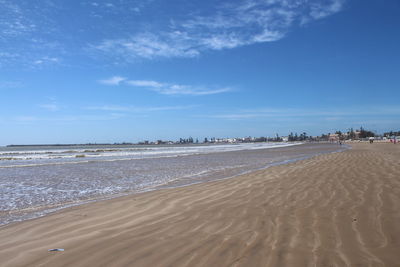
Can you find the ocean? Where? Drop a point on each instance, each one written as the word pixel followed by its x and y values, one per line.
pixel 37 180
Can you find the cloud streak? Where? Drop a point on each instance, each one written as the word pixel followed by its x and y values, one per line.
pixel 50 107
pixel 67 118
pixel 10 84
pixel 288 113
pixel 136 109
pixel 13 21
pixel 115 80
pixel 28 34
pixel 166 88
pixel 177 89
pixel 36 35
pixel 227 26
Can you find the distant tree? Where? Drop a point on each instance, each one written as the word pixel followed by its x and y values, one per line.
pixel 206 140
pixel 351 134
pixel 365 133
pixel 303 136
pixel 392 133
pixel 340 134
pixel 324 137
pixel 260 139
pixel 291 137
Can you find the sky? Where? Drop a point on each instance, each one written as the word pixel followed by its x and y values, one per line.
pixel 131 70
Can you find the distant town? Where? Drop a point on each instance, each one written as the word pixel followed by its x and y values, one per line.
pixel 350 135
pixel 358 134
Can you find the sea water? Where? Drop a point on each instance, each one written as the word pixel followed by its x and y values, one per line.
pixel 37 180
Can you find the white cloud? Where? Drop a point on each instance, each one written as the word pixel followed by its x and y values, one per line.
pixel 326 114
pixel 50 107
pixel 190 90
pixel 46 60
pixel 177 89
pixel 25 28
pixel 10 84
pixel 226 26
pixel 147 45
pixel 145 83
pixel 32 35
pixel 60 119
pixel 51 104
pixel 167 88
pixel 319 11
pixel 235 116
pixel 115 80
pixel 108 108
pixel 137 109
pixel 26 119
pixel 13 21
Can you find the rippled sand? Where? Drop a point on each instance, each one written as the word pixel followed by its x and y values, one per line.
pixel 340 209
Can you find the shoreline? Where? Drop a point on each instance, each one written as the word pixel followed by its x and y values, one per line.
pixel 42 211
pixel 340 209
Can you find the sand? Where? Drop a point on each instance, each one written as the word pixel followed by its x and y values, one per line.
pixel 340 209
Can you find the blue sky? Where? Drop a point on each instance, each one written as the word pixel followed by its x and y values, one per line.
pixel 127 70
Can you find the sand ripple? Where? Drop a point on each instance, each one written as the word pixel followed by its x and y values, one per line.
pixel 340 209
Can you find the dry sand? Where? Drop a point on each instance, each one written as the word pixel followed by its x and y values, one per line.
pixel 340 209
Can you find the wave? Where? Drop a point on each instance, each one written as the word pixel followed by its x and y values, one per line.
pixel 58 157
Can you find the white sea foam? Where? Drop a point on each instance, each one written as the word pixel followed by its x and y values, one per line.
pixel 29 158
pixel 29 188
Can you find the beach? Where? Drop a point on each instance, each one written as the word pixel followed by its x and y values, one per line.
pixel 336 209
pixel 35 181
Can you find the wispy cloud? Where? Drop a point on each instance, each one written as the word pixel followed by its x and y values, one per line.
pixel 46 60
pixel 100 113
pixel 145 83
pixel 67 118
pixel 225 26
pixel 177 89
pixel 148 45
pixel 115 80
pixel 13 22
pixel 26 118
pixel 325 114
pixel 27 32
pixel 167 88
pixel 35 34
pixel 50 107
pixel 51 104
pixel 10 84
pixel 137 109
pixel 320 10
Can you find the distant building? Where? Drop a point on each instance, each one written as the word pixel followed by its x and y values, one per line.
pixel 333 138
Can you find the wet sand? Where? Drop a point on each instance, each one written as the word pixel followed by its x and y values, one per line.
pixel 340 209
